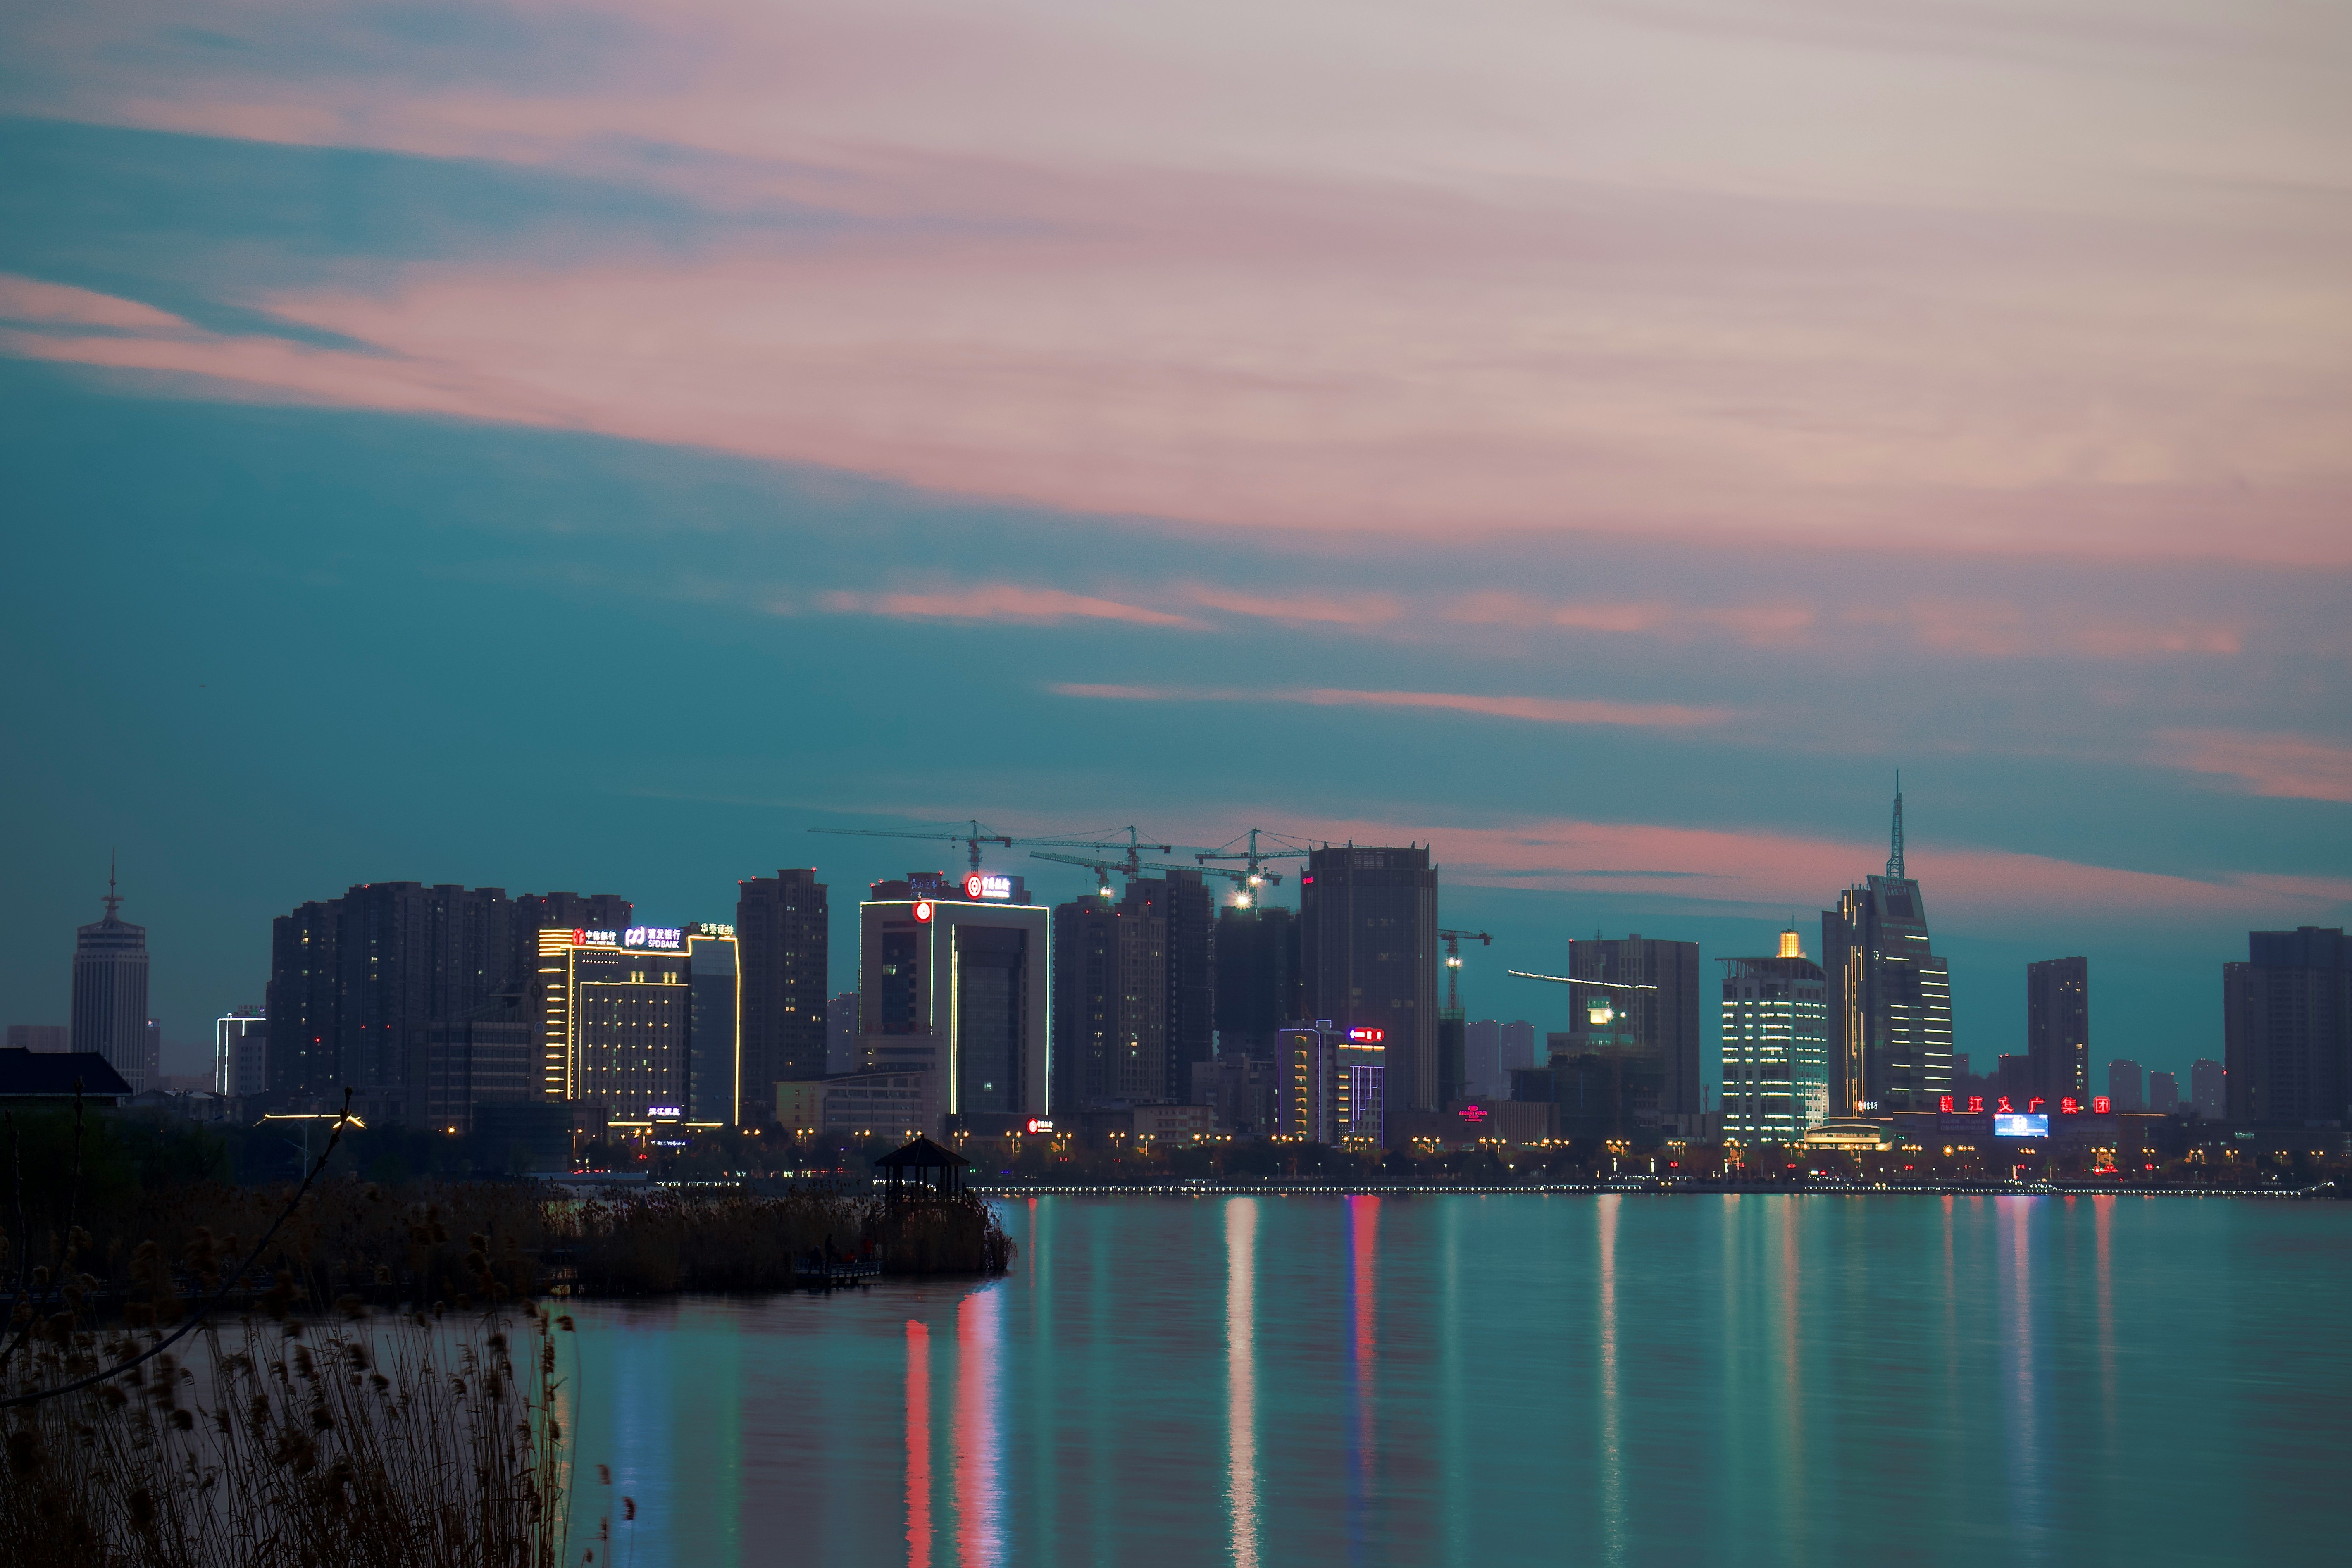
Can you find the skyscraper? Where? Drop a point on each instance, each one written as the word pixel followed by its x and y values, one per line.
pixel 1775 1046
pixel 2209 1087
pixel 782 934
pixel 1482 1057
pixel 1890 996
pixel 1111 1000
pixel 1655 998
pixel 2286 1025
pixel 1367 957
pixel 109 991
pixel 2058 1029
pixel 2123 1085
pixel 1256 978
pixel 841 1033
pixel 952 984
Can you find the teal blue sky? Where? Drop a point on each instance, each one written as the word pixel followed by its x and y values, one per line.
pixel 429 452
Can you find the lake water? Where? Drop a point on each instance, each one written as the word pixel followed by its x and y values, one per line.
pixel 1442 1379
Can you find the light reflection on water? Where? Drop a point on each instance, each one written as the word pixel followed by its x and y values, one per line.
pixel 1509 1378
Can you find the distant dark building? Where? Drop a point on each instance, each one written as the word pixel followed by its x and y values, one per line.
pixel 1482 1057
pixel 241 1055
pixel 1890 996
pixel 357 984
pixel 110 993
pixel 1110 1003
pixel 1191 916
pixel 2013 1081
pixel 2123 1086
pixel 783 932
pixel 1603 1081
pixel 40 1037
pixel 491 1057
pixel 2209 1089
pixel 2163 1093
pixel 1256 976
pixel 2058 1029
pixel 715 1090
pixel 841 1033
pixel 2286 1024
pixel 1656 1005
pixel 1367 957
pixel 1244 1092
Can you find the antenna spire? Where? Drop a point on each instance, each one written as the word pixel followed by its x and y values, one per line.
pixel 1895 857
pixel 112 898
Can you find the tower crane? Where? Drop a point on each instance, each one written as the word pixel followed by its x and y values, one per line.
pixel 1454 941
pixel 1253 857
pixel 977 833
pixel 1131 867
pixel 1602 1012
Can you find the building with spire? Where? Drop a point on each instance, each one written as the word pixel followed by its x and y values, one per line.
pixel 1776 1045
pixel 109 991
pixel 1890 997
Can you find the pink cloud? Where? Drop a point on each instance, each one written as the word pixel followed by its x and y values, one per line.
pixel 1393 283
pixel 1992 628
pixel 2293 766
pixel 1000 602
pixel 1362 610
pixel 31 300
pixel 1533 709
pixel 1757 624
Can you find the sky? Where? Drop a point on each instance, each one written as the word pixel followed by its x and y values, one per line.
pixel 565 446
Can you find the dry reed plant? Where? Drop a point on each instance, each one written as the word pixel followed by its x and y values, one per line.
pixel 378 1440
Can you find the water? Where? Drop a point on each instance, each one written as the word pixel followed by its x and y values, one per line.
pixel 1442 1379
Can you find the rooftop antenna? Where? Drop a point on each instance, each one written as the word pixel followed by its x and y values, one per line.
pixel 1894 860
pixel 112 898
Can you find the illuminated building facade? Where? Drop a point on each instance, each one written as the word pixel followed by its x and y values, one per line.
pixel 2058 1027
pixel 618 1013
pixel 1890 996
pixel 1335 1087
pixel 110 993
pixel 954 983
pixel 241 1053
pixel 1368 955
pixel 1775 1046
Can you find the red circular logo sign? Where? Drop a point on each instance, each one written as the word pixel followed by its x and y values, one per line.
pixel 971 886
pixel 923 910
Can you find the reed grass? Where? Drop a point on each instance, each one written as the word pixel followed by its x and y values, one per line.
pixel 378 1440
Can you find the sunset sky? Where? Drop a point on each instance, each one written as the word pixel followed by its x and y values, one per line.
pixel 581 447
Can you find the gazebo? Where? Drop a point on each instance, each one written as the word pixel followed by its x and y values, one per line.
pixel 924 1165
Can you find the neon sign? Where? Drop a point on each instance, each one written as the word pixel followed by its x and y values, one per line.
pixel 669 1110
pixel 670 937
pixel 2102 1106
pixel 1367 1036
pixel 923 910
pixel 1474 1113
pixel 1041 1124
pixel 595 939
pixel 987 885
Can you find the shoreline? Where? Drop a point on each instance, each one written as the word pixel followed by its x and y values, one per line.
pixel 1652 1189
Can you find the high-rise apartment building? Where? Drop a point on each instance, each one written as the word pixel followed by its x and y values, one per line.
pixel 2209 1087
pixel 716 1079
pixel 1516 1048
pixel 241 1053
pixel 1776 1059
pixel 1111 1001
pixel 2058 1029
pixel 1482 1058
pixel 2286 1026
pixel 1368 956
pixel 782 934
pixel 1256 978
pixel 952 984
pixel 110 993
pixel 357 984
pixel 2163 1092
pixel 2123 1085
pixel 1652 987
pixel 1890 996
